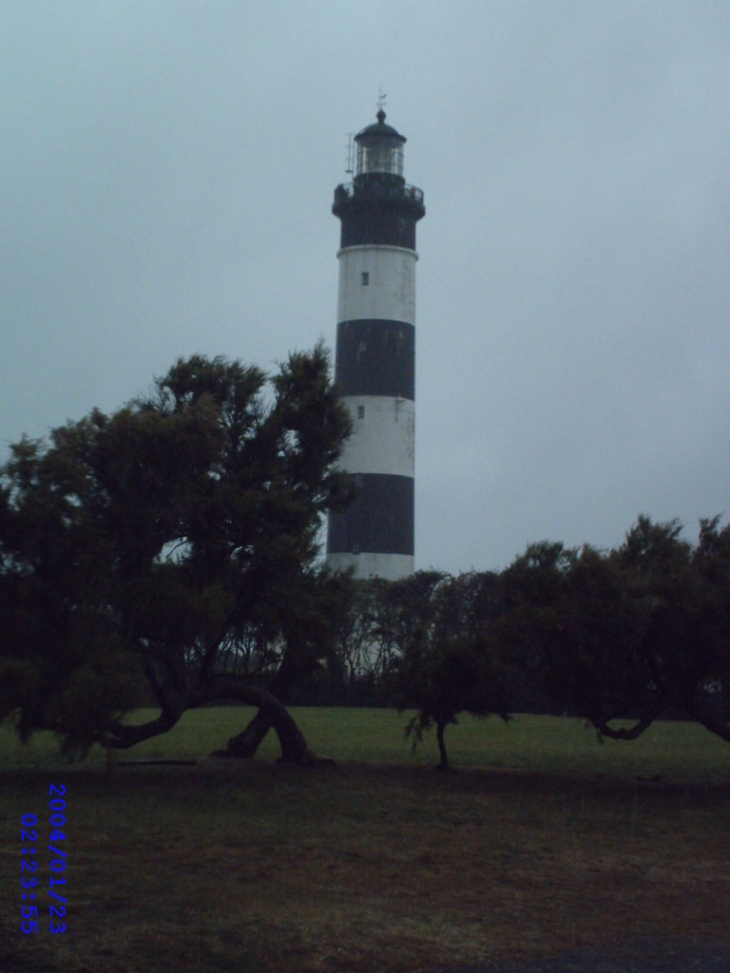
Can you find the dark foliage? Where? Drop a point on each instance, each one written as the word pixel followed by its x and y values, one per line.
pixel 635 633
pixel 175 541
pixel 449 661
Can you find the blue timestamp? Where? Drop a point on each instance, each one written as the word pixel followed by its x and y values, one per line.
pixel 57 865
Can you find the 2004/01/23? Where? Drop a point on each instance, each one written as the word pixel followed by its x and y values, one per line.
pixel 30 924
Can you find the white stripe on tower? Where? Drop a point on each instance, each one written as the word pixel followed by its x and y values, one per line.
pixel 375 358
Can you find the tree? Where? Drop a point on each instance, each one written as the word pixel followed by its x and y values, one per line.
pixel 633 633
pixel 682 609
pixel 362 656
pixel 173 541
pixel 449 660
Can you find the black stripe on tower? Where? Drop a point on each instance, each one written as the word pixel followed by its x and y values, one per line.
pixel 376 357
pixel 378 208
pixel 379 520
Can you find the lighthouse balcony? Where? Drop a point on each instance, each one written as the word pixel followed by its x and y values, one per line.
pixel 379 188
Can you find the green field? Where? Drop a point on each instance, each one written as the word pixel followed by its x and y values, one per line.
pixel 544 842
pixel 671 750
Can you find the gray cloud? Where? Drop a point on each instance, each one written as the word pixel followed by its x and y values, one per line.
pixel 168 174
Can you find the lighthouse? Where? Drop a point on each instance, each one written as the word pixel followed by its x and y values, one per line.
pixel 375 357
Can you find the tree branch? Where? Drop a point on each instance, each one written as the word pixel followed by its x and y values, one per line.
pixel 294 747
pixel 120 736
pixel 621 734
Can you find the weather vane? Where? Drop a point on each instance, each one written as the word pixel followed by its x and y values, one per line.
pixel 381 99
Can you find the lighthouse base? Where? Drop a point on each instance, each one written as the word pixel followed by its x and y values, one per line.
pixel 392 567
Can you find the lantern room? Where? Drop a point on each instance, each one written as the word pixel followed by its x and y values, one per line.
pixel 379 149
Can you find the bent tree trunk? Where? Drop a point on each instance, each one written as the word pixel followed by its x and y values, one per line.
pixel 272 713
pixel 246 744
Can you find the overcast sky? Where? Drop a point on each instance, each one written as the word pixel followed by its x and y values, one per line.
pixel 167 176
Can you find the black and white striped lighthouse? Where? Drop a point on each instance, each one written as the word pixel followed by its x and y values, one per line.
pixel 375 360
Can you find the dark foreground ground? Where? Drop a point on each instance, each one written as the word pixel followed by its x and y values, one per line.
pixel 637 957
pixel 648 956
pixel 255 868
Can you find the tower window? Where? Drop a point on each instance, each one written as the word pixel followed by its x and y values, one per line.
pixel 365 278
pixel 361 412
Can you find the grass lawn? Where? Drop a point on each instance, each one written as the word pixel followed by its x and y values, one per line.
pixel 543 842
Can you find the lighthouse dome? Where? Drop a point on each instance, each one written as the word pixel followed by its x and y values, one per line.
pixel 380 130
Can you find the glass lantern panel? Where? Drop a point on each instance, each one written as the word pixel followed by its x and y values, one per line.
pixel 380 156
